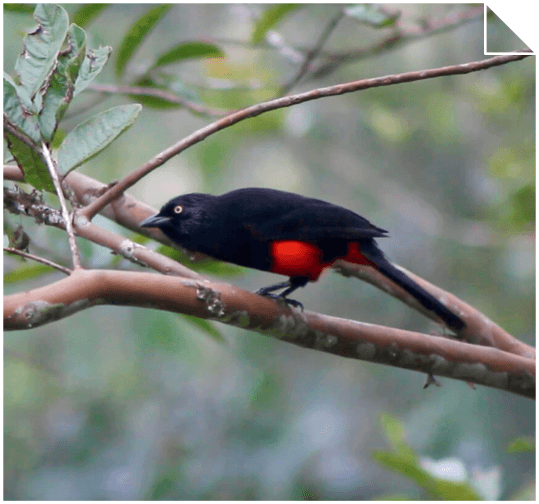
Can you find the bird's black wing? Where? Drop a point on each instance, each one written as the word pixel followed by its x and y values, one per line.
pixel 317 221
pixel 267 215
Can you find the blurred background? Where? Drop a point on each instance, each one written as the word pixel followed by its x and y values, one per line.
pixel 121 403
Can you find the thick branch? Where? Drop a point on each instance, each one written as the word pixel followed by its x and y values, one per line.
pixel 128 212
pixel 230 305
pixel 479 328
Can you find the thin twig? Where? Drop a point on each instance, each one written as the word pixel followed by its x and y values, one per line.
pixel 65 212
pixel 405 33
pixel 157 93
pixel 115 191
pixel 41 260
pixel 312 54
pixel 128 213
pixel 427 28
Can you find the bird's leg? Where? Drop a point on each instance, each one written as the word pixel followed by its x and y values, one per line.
pixel 264 291
pixel 290 286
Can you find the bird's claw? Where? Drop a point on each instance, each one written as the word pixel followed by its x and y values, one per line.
pixel 285 300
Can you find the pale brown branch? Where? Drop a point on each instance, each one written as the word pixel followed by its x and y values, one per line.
pixel 128 212
pixel 13 172
pixel 479 328
pixel 51 166
pixel 134 252
pixel 230 305
pixel 114 192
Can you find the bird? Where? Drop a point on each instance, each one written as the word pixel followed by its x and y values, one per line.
pixel 284 233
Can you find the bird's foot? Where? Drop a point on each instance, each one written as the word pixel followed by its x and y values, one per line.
pixel 285 300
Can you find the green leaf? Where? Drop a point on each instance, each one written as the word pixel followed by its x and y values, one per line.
pixel 268 392
pixel 395 434
pixel 205 326
pixel 437 488
pixel 371 15
pixel 403 465
pixel 217 268
pixel 136 34
pixel 161 486
pixel 30 162
pixel 19 110
pixel 188 50
pixel 270 18
pixel 87 12
pixel 453 491
pixel 41 47
pixel 92 136
pixel 93 63
pixel 406 462
pixel 59 136
pixel 70 61
pixel 60 90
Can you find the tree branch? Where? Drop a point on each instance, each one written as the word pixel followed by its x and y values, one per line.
pixel 42 260
pixel 128 212
pixel 156 93
pixel 479 328
pixel 51 166
pixel 230 305
pixel 115 191
pixel 404 33
pixel 312 54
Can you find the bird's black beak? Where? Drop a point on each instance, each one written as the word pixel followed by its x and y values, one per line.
pixel 154 221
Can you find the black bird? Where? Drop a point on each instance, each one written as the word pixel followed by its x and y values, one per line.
pixel 284 233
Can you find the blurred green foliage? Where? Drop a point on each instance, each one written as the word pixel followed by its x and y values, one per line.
pixel 124 403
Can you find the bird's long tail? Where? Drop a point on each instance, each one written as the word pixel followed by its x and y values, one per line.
pixel 374 254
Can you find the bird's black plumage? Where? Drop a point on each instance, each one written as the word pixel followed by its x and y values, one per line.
pixel 284 233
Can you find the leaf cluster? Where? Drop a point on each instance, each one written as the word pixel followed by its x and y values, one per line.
pixel 54 67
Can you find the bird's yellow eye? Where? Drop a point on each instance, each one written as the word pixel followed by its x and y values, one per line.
pixel 178 209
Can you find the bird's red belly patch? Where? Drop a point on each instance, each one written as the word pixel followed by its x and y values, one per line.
pixel 296 258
